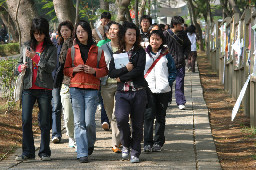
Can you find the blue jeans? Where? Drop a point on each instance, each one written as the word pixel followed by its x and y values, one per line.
pixel 56 113
pixel 29 97
pixel 104 117
pixel 84 107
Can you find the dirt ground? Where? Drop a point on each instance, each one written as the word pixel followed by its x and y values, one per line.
pixel 235 141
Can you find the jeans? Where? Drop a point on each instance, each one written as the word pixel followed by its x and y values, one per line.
pixel 104 117
pixel 56 113
pixel 179 86
pixel 29 97
pixel 84 108
pixel 131 104
pixel 156 109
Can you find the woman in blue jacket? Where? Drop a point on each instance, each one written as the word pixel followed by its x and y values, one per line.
pixel 160 73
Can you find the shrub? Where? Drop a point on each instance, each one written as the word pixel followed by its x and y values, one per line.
pixel 7 79
pixel 11 48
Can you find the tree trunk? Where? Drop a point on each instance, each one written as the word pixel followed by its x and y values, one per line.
pixel 104 4
pixel 77 12
pixel 149 8
pixel 26 13
pixel 142 7
pixel 122 5
pixel 7 20
pixel 198 27
pixel 235 7
pixel 136 12
pixel 64 10
pixel 226 12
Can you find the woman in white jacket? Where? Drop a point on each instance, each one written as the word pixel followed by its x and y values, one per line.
pixel 160 72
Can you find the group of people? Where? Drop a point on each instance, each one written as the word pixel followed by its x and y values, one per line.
pixel 130 71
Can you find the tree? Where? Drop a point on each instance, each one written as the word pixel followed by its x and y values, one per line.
pixel 24 9
pixel 7 20
pixel 104 5
pixel 122 5
pixel 64 10
pixel 194 21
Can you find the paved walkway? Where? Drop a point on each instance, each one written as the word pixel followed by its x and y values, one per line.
pixel 189 143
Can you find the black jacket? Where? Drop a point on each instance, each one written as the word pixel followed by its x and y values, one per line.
pixel 136 75
pixel 178 49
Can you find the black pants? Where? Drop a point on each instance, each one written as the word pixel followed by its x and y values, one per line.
pixel 157 105
pixel 133 104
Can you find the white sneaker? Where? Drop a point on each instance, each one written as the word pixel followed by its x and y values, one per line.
pixel 182 107
pixel 71 143
pixel 99 107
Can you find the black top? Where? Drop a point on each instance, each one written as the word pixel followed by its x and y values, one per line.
pixel 136 75
pixel 179 46
pixel 84 50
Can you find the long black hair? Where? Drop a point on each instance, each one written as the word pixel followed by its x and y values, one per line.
pixel 41 26
pixel 129 25
pixel 119 35
pixel 86 26
pixel 67 24
pixel 191 29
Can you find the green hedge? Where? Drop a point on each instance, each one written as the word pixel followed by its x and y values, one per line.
pixel 8 49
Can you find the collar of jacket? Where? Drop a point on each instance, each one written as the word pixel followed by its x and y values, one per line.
pixel 164 50
pixel 93 47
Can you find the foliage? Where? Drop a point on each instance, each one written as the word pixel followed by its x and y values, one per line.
pixel 7 79
pixel 11 48
pixel 46 9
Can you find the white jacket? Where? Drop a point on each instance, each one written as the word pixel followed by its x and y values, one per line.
pixel 163 74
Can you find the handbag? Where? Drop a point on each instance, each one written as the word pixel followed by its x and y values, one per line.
pixel 19 81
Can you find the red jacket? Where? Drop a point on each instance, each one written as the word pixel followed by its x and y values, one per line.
pixel 82 79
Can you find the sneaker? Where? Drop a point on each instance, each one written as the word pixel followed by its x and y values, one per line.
pixel 45 158
pixel 71 143
pixel 23 158
pixel 90 150
pixel 125 153
pixel 147 149
pixel 156 148
pixel 134 159
pixel 56 140
pixel 105 126
pixel 116 149
pixel 83 159
pixel 99 107
pixel 182 107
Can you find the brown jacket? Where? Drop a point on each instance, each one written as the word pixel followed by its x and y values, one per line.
pixel 95 34
pixel 82 79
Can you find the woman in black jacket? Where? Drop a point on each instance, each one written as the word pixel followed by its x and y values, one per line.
pixel 131 98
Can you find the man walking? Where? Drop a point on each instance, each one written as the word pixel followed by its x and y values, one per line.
pixel 179 46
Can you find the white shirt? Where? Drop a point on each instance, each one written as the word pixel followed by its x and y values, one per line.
pixel 192 38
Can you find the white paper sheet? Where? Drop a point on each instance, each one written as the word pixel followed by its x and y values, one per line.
pixel 121 60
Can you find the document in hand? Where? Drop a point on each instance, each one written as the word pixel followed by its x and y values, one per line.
pixel 121 60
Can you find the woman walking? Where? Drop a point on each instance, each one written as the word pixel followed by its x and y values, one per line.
pixel 160 73
pixel 65 29
pixel 131 97
pixel 85 73
pixel 38 84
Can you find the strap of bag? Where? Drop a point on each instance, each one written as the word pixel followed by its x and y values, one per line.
pixel 99 56
pixel 98 32
pixel 153 65
pixel 174 36
pixel 72 55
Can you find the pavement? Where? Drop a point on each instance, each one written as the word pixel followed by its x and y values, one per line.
pixel 189 143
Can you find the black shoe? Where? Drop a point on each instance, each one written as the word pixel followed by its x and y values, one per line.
pixel 90 150
pixel 83 159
